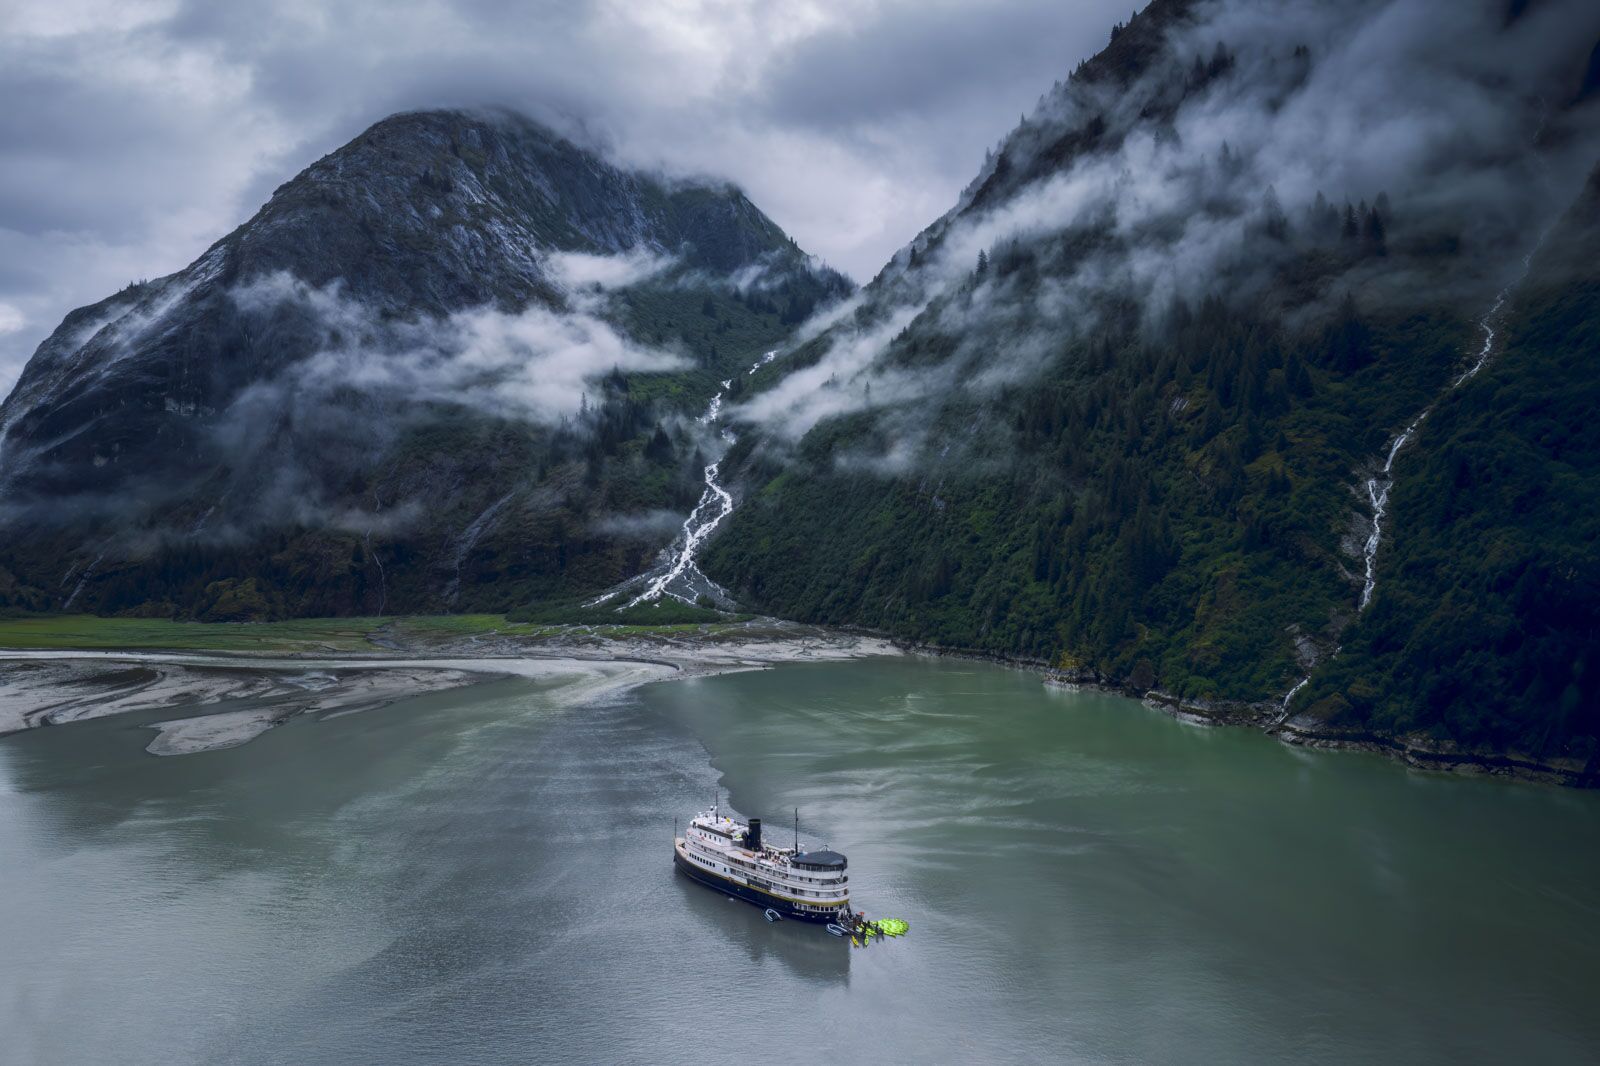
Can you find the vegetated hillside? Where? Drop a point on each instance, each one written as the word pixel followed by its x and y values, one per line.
pixel 1115 409
pixel 448 366
pixel 1488 629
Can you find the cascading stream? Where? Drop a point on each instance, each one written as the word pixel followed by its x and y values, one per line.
pixel 1379 485
pixel 1283 707
pixel 715 504
pixel 680 576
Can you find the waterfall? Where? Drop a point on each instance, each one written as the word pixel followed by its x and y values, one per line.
pixel 1283 707
pixel 83 579
pixel 469 540
pixel 1379 485
pixel 678 574
pixel 716 503
pixel 1378 488
pixel 383 579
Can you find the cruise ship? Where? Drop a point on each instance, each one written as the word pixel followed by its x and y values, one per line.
pixel 731 857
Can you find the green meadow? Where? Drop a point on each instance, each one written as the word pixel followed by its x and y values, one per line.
pixel 79 632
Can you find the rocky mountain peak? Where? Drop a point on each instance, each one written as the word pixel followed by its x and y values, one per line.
pixel 419 276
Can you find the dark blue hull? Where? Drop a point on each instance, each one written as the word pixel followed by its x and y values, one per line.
pixel 752 895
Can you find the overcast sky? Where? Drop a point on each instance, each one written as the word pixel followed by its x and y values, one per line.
pixel 136 132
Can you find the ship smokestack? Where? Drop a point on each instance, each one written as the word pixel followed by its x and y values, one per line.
pixel 752 839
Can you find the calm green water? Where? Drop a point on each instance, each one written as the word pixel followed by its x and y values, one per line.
pixel 485 877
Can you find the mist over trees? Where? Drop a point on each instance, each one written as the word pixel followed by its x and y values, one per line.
pixel 1214 273
pixel 1111 412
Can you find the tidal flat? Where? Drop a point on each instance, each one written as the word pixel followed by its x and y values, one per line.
pixel 238 681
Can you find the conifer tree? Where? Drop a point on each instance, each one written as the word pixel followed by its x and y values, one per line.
pixel 1372 234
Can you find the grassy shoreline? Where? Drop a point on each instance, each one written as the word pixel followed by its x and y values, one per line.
pixel 362 634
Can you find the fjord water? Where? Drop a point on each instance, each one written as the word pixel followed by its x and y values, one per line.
pixel 484 876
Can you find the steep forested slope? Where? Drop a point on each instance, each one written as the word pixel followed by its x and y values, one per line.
pixel 448 365
pixel 1114 411
pixel 1488 629
pixel 1127 408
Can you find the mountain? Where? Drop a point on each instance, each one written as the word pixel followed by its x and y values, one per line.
pixel 1246 373
pixel 1251 373
pixel 446 366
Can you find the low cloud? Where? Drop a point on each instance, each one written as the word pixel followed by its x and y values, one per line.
pixel 840 382
pixel 295 447
pixel 538 364
pixel 1458 116
pixel 581 270
pixel 137 133
pixel 649 526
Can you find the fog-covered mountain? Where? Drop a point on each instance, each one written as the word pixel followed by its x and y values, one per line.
pixel 1132 407
pixel 1253 369
pixel 447 365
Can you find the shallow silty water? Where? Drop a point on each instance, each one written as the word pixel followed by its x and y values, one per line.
pixel 484 875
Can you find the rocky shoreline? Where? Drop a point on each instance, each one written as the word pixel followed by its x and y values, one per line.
pixel 1421 753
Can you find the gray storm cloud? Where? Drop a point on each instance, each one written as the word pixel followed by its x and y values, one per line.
pixel 138 132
